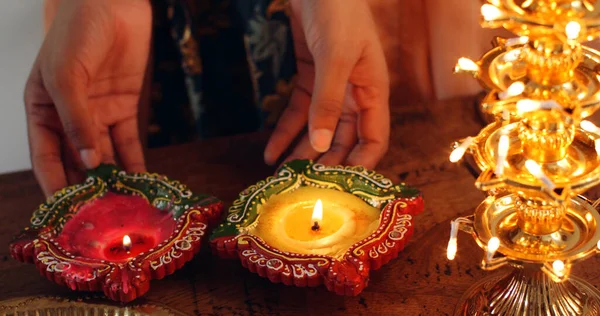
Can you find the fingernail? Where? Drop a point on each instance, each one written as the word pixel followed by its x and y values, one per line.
pixel 90 158
pixel 320 139
pixel 268 157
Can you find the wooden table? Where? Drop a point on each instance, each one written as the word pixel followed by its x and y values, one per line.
pixel 420 281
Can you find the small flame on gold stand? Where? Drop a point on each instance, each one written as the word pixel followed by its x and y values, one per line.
pixel 536 159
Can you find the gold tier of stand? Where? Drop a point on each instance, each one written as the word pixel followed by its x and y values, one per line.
pixel 536 159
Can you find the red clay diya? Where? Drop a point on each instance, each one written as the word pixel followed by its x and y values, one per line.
pixel 116 232
pixel 313 224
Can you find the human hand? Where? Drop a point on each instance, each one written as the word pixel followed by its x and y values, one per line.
pixel 342 88
pixel 81 98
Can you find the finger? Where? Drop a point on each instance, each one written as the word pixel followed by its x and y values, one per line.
pixel 44 146
pixel 303 150
pixel 372 97
pixel 71 103
pixel 44 141
pixel 70 59
pixel 127 143
pixel 106 147
pixel 73 166
pixel 290 124
pixel 344 140
pixel 331 77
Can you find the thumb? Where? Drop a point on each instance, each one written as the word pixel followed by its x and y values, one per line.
pixel 326 107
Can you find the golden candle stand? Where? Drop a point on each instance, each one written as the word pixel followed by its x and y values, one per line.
pixel 536 158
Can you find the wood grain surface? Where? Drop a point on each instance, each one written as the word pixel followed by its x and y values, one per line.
pixel 419 282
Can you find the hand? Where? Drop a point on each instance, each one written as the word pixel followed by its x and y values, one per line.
pixel 82 95
pixel 342 88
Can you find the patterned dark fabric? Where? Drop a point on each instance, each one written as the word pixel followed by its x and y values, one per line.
pixel 221 67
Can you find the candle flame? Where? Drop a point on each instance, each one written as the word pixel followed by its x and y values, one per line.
pixel 466 65
pixel 573 29
pixel 317 214
pixel 590 127
pixel 517 41
pixel 490 12
pixel 536 170
pixel 559 267
pixel 452 248
pixel 528 105
pixel 452 243
pixel 459 151
pixel 598 244
pixel 516 88
pixel 493 244
pixel 126 242
pixel 503 145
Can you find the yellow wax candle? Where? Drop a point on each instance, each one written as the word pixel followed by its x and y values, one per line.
pixel 291 222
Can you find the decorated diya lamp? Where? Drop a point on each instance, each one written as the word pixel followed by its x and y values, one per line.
pixel 116 232
pixel 312 224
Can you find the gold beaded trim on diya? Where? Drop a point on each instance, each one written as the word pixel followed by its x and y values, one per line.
pixel 192 214
pixel 347 275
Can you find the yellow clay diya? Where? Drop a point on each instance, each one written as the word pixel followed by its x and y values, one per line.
pixel 313 224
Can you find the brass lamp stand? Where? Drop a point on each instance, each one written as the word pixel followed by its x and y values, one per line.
pixel 535 159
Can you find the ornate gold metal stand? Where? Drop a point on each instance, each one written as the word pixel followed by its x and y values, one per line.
pixel 535 159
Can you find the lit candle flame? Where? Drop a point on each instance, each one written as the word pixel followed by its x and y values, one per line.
pixel 517 41
pixel 466 65
pixel 559 267
pixel 503 145
pixel 492 247
pixel 452 243
pixel 459 151
pixel 491 13
pixel 590 127
pixel 516 88
pixel 528 105
pixel 126 242
pixel 598 244
pixel 536 170
pixel 317 214
pixel 572 30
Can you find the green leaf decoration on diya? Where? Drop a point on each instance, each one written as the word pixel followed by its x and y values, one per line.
pixel 373 188
pixel 158 190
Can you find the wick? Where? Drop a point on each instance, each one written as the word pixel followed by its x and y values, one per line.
pixel 316 226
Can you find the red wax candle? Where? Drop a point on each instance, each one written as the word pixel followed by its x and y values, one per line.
pixel 99 228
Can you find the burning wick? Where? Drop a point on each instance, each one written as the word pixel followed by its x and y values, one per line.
pixel 536 170
pixel 452 243
pixel 126 243
pixel 559 267
pixel 317 215
pixel 459 152
pixel 492 246
pixel 503 145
